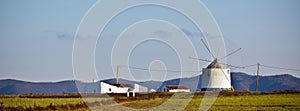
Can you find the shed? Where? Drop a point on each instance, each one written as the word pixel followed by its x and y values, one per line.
pixel 175 88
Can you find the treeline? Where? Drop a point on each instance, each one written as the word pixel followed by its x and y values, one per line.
pixel 42 96
pixel 145 95
pixel 76 95
pixel 246 93
pixel 49 107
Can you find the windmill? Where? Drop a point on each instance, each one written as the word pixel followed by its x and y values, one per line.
pixel 216 76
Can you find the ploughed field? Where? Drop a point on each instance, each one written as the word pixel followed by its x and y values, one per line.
pixel 245 100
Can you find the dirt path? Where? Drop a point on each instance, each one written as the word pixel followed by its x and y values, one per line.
pixel 117 104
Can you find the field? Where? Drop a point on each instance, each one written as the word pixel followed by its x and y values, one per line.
pixel 153 101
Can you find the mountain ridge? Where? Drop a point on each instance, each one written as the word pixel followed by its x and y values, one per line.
pixel 240 81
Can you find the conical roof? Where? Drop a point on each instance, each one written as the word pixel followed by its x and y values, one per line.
pixel 215 64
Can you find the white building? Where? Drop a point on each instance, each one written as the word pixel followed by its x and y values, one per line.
pixel 114 88
pixel 140 88
pixel 121 88
pixel 173 88
pixel 215 77
pixel 152 90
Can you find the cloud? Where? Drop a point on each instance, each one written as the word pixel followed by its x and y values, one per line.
pixel 66 36
pixel 200 35
pixel 162 33
pixel 191 34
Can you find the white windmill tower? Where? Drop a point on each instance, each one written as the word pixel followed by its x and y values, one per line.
pixel 216 76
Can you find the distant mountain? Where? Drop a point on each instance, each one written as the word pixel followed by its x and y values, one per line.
pixel 240 81
pixel 10 86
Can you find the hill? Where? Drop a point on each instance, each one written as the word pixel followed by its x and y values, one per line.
pixel 10 86
pixel 240 81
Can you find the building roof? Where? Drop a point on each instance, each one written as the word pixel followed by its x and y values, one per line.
pixel 176 87
pixel 121 85
pixel 215 64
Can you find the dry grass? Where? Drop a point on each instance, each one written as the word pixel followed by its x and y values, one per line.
pixel 154 101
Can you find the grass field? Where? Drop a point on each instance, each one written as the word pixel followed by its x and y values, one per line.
pixel 228 101
pixel 232 103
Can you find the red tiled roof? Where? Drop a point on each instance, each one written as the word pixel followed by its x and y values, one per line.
pixel 176 87
pixel 121 85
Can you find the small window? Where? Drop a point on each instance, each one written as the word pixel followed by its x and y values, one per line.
pixel 109 89
pixel 228 71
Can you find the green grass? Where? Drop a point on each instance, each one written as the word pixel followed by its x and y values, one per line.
pixel 13 103
pixel 232 103
pixel 43 102
pixel 228 103
pixel 253 102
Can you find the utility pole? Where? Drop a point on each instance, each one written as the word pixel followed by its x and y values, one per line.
pixel 117 74
pixel 257 77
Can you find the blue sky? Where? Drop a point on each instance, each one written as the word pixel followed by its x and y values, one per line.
pixel 36 37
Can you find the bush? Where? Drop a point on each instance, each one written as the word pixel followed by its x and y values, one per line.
pixel 1 106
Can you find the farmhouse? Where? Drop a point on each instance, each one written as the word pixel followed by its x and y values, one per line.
pixel 115 88
pixel 175 88
pixel 121 88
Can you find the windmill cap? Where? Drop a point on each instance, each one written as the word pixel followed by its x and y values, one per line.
pixel 215 64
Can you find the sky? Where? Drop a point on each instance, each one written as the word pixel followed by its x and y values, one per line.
pixel 36 38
